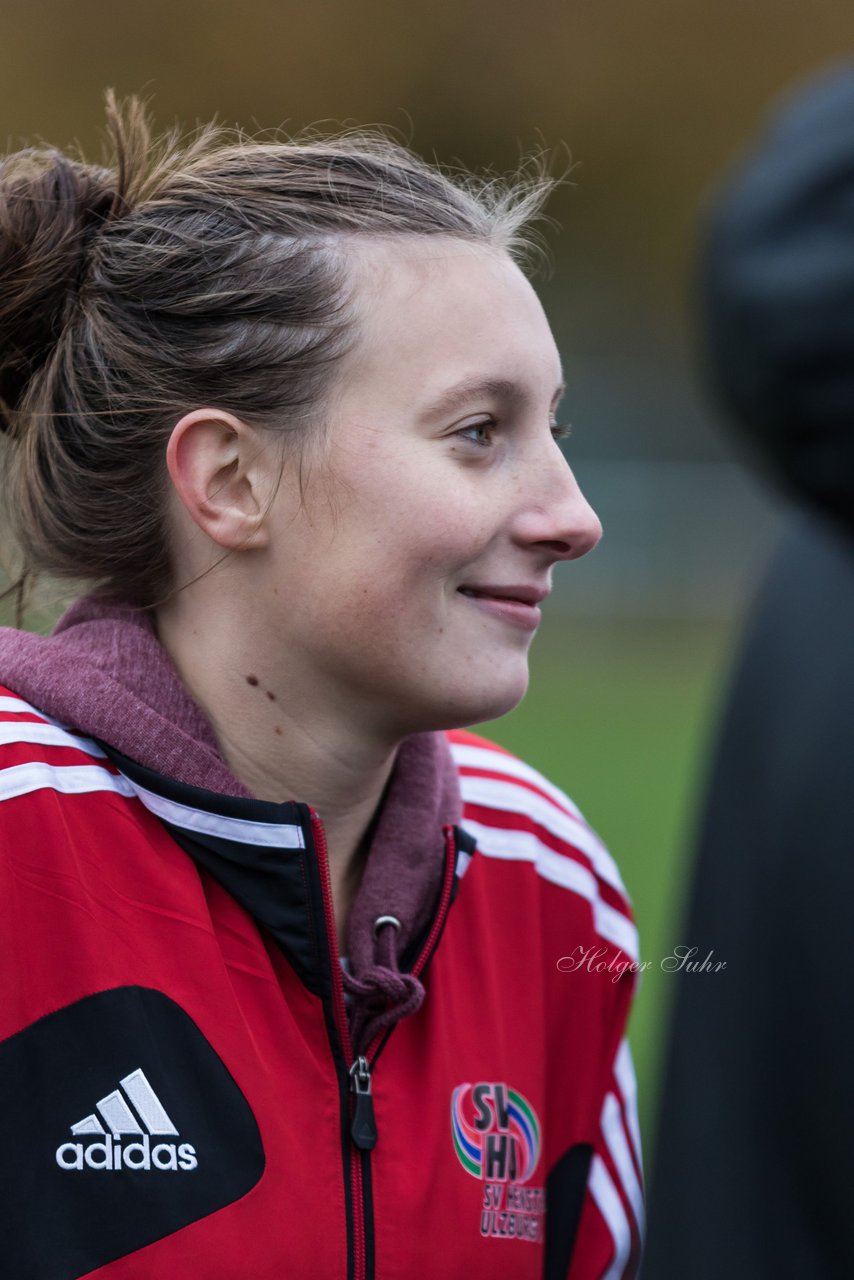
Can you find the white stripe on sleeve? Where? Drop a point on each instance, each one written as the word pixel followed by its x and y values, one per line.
pixel 18 707
pixel 508 797
pixel 46 735
pixel 609 1204
pixel 625 1072
pixel 524 846
pixel 468 757
pixel 20 779
pixel 618 1146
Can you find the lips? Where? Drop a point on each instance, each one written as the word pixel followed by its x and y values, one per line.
pixel 515 605
pixel 517 594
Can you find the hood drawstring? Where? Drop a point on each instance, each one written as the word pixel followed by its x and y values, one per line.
pixel 385 994
pixel 401 884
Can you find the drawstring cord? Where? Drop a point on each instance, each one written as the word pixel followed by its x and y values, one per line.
pixel 386 994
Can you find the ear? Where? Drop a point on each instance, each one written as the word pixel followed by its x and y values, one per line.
pixel 222 470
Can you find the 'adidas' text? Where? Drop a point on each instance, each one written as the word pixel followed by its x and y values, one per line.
pixel 110 1154
pixel 148 1119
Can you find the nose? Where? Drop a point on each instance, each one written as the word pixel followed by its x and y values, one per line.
pixel 557 516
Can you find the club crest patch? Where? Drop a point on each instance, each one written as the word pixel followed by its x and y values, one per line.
pixel 496 1137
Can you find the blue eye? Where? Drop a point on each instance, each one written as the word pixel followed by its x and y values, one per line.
pixel 479 433
pixel 482 433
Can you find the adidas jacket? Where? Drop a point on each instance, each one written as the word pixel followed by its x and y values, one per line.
pixel 177 1082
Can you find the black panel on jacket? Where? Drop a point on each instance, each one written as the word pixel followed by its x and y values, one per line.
pixel 125 1059
pixel 565 1186
pixel 270 883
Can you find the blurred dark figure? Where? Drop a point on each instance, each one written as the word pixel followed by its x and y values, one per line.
pixel 754 1175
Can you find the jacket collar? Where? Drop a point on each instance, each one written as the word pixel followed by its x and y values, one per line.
pixel 266 857
pixel 103 672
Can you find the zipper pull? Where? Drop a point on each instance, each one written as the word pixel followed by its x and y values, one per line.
pixel 364 1127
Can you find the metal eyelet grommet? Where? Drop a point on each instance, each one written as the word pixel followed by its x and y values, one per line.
pixel 381 920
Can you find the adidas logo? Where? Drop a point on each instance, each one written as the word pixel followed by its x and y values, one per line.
pixel 147 1120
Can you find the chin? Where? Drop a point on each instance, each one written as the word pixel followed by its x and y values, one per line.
pixel 494 709
pixel 475 705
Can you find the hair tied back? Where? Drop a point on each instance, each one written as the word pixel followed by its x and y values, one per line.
pixel 208 268
pixel 51 209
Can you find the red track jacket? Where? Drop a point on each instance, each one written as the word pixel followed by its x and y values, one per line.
pixel 178 1087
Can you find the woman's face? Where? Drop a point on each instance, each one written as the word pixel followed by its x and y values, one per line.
pixel 408 573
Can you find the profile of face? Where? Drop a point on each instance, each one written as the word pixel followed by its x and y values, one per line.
pixel 409 572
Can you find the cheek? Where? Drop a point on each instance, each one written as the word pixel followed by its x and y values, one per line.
pixel 385 610
pixel 415 549
pixel 423 500
pixel 388 551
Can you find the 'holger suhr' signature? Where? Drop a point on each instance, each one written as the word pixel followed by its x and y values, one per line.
pixel 604 960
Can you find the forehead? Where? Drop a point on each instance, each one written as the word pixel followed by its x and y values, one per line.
pixel 434 310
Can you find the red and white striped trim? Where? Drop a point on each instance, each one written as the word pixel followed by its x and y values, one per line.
pixel 20 707
pixel 523 846
pixel 504 796
pixel 614 1133
pixel 624 1073
pixel 615 1181
pixel 496 784
pixel 20 779
pixel 37 775
pixel 46 735
pixel 490 759
pixel 607 1199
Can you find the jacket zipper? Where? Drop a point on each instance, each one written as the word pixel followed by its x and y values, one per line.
pixel 343 1028
pixel 363 1131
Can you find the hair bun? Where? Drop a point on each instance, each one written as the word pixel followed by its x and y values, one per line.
pixel 48 204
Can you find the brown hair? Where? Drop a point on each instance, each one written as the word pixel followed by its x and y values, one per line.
pixel 209 271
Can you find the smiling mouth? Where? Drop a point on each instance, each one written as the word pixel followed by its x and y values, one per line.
pixel 530 596
pixel 514 605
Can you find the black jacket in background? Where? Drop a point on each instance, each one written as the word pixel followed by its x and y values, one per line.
pixel 753 1170
pixel 754 1167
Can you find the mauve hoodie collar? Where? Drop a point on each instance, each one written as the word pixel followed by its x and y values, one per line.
pixel 103 672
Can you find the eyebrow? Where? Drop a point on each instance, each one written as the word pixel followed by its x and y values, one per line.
pixel 474 388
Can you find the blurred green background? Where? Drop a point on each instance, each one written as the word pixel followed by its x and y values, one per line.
pixel 651 101
pixel 619 716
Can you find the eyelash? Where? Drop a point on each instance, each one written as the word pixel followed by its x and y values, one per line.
pixel 560 431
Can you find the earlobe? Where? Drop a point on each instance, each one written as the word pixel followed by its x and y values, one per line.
pixel 220 469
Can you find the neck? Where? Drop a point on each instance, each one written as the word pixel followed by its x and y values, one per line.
pixel 281 745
